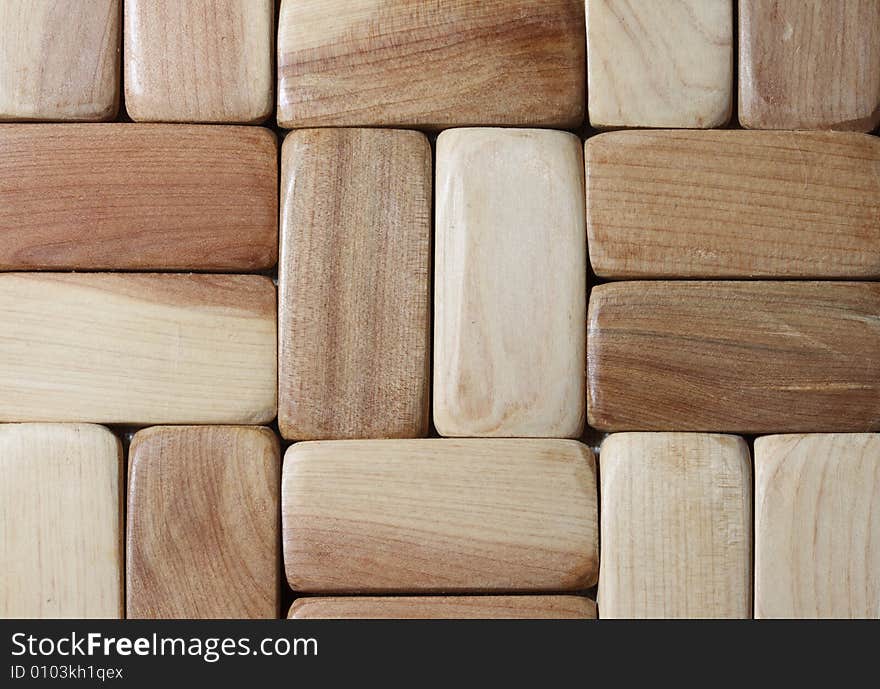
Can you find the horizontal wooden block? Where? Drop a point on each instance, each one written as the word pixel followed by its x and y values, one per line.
pixel 439 516
pixel 510 284
pixel 817 526
pixel 809 65
pixel 429 64
pixel 199 60
pixel 741 357
pixel 59 60
pixel 61 510
pixel 354 284
pixel 138 197
pixel 444 607
pixel 137 349
pixel 676 526
pixel 663 63
pixel 733 204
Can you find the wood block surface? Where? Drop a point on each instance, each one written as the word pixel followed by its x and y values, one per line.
pixel 439 515
pixel 741 357
pixel 61 510
pixel 809 65
pixel 443 607
pixel 734 204
pixel 202 538
pixel 676 526
pixel 431 64
pixel 510 284
pixel 59 59
pixel 662 63
pixel 199 60
pixel 817 526
pixel 354 284
pixel 138 197
pixel 137 349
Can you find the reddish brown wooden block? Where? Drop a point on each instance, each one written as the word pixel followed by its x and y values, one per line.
pixel 443 607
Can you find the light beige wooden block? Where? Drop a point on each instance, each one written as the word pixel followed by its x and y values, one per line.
pixel 510 284
pixel 817 526
pixel 61 516
pixel 199 60
pixel 137 348
pixel 676 526
pixel 439 515
pixel 59 59
pixel 443 607
pixel 660 63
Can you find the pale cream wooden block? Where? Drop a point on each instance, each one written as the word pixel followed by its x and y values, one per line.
pixel 676 526
pixel 817 526
pixel 659 63
pixel 199 60
pixel 61 511
pixel 59 59
pixel 510 284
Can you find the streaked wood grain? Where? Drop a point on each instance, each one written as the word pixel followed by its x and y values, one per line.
pixel 61 516
pixel 354 284
pixel 439 515
pixel 676 526
pixel 510 284
pixel 443 607
pixel 137 349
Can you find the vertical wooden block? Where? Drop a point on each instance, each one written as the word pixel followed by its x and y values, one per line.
pixel 443 607
pixel 59 59
pixel 61 510
pixel 676 526
pixel 662 63
pixel 202 538
pixel 510 284
pixel 809 65
pixel 430 64
pixel 817 526
pixel 199 60
pixel 354 284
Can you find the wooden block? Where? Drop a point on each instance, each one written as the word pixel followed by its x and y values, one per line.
pixel 59 59
pixel 510 276
pixel 439 515
pixel 676 526
pixel 741 357
pixel 663 63
pixel 817 526
pixel 61 507
pixel 431 64
pixel 138 197
pixel 354 281
pixel 202 539
pixel 137 349
pixel 733 204
pixel 199 60
pixel 444 607
pixel 809 65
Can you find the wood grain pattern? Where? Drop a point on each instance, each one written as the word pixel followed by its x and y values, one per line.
pixel 444 608
pixel 663 63
pixel 354 284
pixel 734 204
pixel 439 515
pixel 809 64
pixel 431 64
pixel 138 197
pixel 199 60
pixel 59 59
pixel 741 357
pixel 817 526
pixel 202 539
pixel 510 276
pixel 60 522
pixel 676 526
pixel 137 349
